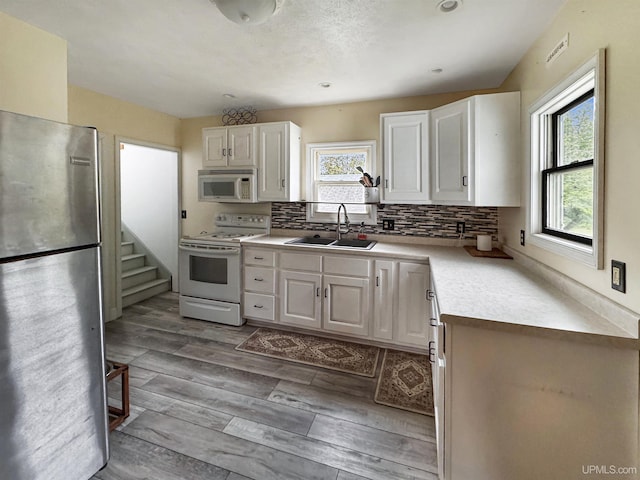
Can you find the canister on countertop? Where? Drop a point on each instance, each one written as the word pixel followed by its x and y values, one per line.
pixel 484 243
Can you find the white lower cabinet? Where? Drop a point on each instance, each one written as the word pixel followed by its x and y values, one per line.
pixel 346 305
pixel 401 306
pixel 259 285
pixel 351 295
pixel 412 322
pixel 300 301
pixel 386 278
pixel 325 292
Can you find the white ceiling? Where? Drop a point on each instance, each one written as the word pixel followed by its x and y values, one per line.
pixel 181 56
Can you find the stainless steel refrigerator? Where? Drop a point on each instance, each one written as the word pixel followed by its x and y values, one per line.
pixel 53 410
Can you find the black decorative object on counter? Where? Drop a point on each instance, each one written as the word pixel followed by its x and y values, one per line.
pixel 239 116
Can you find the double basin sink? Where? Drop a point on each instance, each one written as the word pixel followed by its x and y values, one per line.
pixel 333 243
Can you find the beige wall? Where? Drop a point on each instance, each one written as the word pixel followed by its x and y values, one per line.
pixel 33 71
pixel 332 123
pixel 592 24
pixel 113 118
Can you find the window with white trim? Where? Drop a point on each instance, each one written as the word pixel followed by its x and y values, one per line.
pixel 567 130
pixel 333 178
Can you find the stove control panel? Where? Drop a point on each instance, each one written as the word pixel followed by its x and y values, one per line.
pixel 242 220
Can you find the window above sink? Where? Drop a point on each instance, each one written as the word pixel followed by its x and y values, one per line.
pixel 333 179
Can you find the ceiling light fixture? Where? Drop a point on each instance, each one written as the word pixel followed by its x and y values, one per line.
pixel 447 6
pixel 248 12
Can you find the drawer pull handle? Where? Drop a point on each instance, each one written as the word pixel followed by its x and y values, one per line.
pixel 377 281
pixel 433 322
pixel 229 153
pixel 258 279
pixel 318 292
pixel 258 258
pixel 224 152
pixel 258 306
pixel 326 292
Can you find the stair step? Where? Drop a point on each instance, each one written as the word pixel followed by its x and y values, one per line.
pixel 137 276
pixel 143 291
pixel 130 262
pixel 126 248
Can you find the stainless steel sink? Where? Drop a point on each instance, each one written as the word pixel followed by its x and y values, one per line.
pixel 331 242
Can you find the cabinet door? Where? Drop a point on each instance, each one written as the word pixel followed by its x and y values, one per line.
pixel 272 162
pixel 412 325
pixel 300 303
pixel 214 147
pixel 451 175
pixel 346 305
pixel 405 158
pixel 385 275
pixel 241 151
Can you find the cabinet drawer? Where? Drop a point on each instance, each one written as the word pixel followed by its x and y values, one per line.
pixel 343 265
pixel 259 279
pixel 256 256
pixel 259 306
pixel 301 261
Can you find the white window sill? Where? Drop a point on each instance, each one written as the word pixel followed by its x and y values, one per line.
pixel 573 250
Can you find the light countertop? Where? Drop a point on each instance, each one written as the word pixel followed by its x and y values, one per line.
pixel 490 293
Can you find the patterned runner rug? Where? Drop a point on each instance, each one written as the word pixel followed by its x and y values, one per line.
pixel 405 382
pixel 312 350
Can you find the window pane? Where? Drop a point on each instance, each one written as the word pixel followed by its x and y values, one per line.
pixel 341 166
pixel 575 133
pixel 570 201
pixel 340 193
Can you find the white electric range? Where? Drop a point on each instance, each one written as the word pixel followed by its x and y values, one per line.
pixel 210 268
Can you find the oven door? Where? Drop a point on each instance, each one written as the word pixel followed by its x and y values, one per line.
pixel 211 272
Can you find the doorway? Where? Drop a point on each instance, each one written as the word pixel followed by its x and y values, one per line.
pixel 150 200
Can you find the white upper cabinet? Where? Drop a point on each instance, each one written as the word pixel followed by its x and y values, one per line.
pixel 233 146
pixel 405 151
pixel 279 162
pixel 474 151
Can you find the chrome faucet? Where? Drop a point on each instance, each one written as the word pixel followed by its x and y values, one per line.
pixel 339 231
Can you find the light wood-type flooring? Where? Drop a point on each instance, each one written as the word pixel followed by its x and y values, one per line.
pixel 202 410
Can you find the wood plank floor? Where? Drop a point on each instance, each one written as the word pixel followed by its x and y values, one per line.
pixel 202 410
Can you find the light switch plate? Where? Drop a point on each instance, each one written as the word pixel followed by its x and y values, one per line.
pixel 618 276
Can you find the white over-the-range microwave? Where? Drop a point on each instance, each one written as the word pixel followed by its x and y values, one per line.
pixel 237 186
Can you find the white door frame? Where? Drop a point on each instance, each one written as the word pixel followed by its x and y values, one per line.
pixel 118 212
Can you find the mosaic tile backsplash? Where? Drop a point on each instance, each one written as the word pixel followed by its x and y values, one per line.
pixel 434 221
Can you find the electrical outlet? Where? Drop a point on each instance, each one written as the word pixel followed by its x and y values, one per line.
pixel 619 276
pixel 522 237
pixel 460 227
pixel 184 214
pixel 388 224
